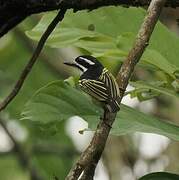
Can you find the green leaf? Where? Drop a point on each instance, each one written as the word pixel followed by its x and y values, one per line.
pixel 130 120
pixel 59 101
pixel 105 34
pixel 12 61
pixel 153 57
pixel 17 54
pixel 160 176
pixel 142 89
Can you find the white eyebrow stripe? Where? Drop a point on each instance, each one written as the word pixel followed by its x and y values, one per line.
pixel 88 61
pixel 82 67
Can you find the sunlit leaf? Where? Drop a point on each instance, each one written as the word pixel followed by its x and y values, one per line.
pixel 143 89
pixel 104 34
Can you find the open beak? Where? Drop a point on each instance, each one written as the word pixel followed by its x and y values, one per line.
pixel 73 64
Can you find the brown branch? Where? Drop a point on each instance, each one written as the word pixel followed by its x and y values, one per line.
pixel 32 60
pixel 89 172
pixel 22 156
pixel 93 152
pixel 53 66
pixel 13 12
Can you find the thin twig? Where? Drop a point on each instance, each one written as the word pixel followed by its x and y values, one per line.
pixel 53 66
pixel 93 152
pixel 23 157
pixel 32 60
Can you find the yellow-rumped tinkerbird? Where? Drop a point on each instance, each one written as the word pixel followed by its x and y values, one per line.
pixel 97 81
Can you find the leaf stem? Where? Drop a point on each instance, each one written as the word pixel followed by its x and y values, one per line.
pixel 32 60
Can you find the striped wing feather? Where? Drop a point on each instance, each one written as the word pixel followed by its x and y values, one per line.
pixel 96 89
pixel 105 89
pixel 110 82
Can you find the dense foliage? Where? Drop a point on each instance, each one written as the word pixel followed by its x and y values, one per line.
pixel 46 103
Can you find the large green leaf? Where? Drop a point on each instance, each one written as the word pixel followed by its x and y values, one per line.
pixel 59 101
pixel 145 90
pixel 160 176
pixel 107 33
pixel 153 57
pixel 12 61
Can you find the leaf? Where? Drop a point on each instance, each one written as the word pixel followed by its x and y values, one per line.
pixel 59 101
pixel 154 58
pixel 160 176
pixel 5 42
pixel 142 88
pixel 130 120
pixel 12 61
pixel 105 34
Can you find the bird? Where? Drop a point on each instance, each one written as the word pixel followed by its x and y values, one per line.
pixel 97 81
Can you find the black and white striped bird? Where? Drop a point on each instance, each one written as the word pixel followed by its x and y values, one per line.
pixel 97 81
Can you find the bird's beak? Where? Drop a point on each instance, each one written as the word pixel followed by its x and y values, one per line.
pixel 69 63
pixel 73 64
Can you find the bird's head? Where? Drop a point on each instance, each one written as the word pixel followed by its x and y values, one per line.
pixel 85 62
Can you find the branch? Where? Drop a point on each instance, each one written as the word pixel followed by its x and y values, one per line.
pixel 13 12
pixel 32 60
pixel 23 157
pixel 93 152
pixel 53 66
pixel 89 172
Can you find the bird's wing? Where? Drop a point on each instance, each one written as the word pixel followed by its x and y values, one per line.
pixel 111 83
pixel 96 89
